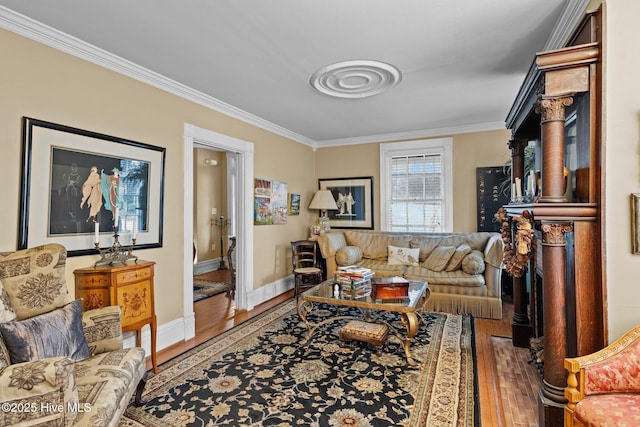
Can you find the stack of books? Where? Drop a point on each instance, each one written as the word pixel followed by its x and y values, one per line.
pixel 354 281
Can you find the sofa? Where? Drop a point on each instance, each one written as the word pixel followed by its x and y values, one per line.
pixel 463 270
pixel 58 365
pixel 603 388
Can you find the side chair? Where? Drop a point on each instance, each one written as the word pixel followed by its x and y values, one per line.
pixel 306 265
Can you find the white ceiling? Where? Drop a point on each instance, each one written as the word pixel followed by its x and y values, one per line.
pixel 462 61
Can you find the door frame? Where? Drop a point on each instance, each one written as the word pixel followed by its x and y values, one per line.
pixel 241 204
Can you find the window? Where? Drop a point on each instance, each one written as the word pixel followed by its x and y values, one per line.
pixel 416 186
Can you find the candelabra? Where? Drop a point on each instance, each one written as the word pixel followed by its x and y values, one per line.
pixel 117 253
pixel 221 223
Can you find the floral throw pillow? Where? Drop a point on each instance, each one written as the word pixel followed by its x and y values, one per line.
pixel 402 256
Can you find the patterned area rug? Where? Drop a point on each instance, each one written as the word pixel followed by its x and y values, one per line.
pixel 207 288
pixel 257 374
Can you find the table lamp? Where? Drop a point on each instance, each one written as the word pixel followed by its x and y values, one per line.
pixel 323 200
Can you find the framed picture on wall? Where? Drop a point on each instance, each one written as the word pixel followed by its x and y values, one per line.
pixel 294 204
pixel 354 197
pixel 77 184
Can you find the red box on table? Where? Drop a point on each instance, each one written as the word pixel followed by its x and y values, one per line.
pixel 390 289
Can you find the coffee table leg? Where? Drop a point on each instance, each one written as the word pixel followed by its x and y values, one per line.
pixel 411 322
pixel 304 308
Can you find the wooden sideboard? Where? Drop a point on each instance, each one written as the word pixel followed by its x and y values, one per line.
pixel 131 287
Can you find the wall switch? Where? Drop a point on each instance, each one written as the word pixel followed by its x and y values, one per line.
pixel 214 211
pixel 213 246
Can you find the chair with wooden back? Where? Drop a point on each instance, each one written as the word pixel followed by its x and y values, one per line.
pixel 306 265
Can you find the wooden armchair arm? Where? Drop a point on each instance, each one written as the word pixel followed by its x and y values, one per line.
pixel 609 370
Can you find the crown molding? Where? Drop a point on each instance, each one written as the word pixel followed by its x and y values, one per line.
pixel 571 15
pixel 419 134
pixel 51 37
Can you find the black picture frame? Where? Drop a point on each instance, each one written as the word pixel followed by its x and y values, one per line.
pixel 361 190
pixel 62 198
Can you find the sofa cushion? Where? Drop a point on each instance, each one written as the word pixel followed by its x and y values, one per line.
pixel 427 242
pixel 5 359
pixel 382 268
pixel 348 255
pixel 32 385
pixel 456 259
pixel 35 279
pixel 454 278
pixel 403 256
pixel 7 314
pixel 439 258
pixel 105 384
pixel 609 410
pixel 473 263
pixel 102 329
pixel 374 244
pixel 54 334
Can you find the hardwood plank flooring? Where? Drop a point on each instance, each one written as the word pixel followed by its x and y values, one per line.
pixel 507 383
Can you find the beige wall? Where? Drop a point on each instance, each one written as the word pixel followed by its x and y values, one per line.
pixel 470 150
pixel 622 161
pixel 43 83
pixel 209 191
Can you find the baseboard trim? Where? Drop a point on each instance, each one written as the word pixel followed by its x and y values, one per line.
pixel 206 266
pixel 268 291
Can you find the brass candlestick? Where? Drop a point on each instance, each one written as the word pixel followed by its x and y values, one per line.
pixel 117 253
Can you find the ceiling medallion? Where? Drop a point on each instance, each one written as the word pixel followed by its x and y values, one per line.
pixel 355 79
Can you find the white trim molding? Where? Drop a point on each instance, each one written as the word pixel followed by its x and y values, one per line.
pixel 442 146
pixel 34 30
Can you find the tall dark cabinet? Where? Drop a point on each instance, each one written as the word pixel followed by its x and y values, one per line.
pixel 561 295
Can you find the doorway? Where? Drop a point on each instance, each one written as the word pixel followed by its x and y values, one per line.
pixel 239 177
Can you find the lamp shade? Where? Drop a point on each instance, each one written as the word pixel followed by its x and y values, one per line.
pixel 323 199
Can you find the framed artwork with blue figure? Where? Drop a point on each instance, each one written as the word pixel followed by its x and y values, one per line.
pixel 77 185
pixel 354 199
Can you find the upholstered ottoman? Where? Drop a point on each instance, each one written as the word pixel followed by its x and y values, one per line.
pixel 372 333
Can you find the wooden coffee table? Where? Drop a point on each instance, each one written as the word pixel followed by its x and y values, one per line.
pixel 410 312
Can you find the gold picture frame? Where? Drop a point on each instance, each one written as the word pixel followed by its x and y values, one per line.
pixel 635 223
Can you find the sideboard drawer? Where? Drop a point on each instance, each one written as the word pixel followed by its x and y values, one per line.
pixel 130 276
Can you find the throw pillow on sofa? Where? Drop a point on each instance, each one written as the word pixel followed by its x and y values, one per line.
pixel 402 256
pixel 473 263
pixel 456 260
pixel 439 258
pixel 348 255
pixel 6 311
pixel 57 333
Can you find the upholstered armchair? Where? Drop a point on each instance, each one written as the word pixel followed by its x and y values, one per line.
pixel 59 366
pixel 603 388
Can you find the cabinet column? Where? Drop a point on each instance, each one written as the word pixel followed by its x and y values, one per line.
pixel 554 260
pixel 521 329
pixel 552 122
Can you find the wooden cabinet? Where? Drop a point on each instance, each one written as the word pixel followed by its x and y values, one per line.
pixel 559 107
pixel 130 286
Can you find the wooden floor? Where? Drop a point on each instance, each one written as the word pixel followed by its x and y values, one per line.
pixel 507 383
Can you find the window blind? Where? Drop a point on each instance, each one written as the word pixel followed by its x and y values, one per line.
pixel 416 193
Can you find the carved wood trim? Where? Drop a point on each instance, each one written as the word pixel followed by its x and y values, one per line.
pixel 553 234
pixel 552 108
